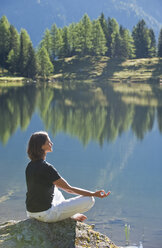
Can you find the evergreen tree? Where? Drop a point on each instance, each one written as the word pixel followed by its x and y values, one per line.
pixel 127 43
pixel 98 39
pixel 86 35
pixel 47 42
pixel 44 63
pixel 160 44
pixel 4 41
pixel 66 42
pixel 73 33
pixel 113 29
pixel 23 54
pixel 103 24
pixel 78 38
pixel 142 40
pixel 14 49
pixel 12 61
pixel 152 44
pixel 117 48
pixel 31 66
pixel 57 42
pixel 14 39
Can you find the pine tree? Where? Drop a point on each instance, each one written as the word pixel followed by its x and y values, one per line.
pixel 47 42
pixel 78 38
pixel 152 49
pixel 86 35
pixel 104 24
pixel 14 39
pixel 142 40
pixel 57 42
pixel 23 54
pixel 66 42
pixel 14 48
pixel 127 43
pixel 73 35
pixel 12 61
pixel 113 29
pixel 44 63
pixel 4 41
pixel 31 66
pixel 98 39
pixel 117 48
pixel 160 44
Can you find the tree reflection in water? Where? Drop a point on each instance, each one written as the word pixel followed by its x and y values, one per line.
pixel 99 112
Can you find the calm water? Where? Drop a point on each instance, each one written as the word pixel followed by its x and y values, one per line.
pixel 104 137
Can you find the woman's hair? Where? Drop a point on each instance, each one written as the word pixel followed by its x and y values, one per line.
pixel 36 141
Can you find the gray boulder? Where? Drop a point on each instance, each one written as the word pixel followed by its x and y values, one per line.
pixel 31 233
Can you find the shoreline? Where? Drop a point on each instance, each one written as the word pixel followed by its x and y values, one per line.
pixel 90 69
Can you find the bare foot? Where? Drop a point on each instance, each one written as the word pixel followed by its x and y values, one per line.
pixel 79 217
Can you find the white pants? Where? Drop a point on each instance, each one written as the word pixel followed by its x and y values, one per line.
pixel 62 209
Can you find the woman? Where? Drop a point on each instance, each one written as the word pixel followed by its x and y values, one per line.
pixel 44 201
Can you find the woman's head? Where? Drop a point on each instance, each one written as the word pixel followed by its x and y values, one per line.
pixel 39 144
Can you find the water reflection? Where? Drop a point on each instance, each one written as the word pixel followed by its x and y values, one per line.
pixel 89 112
pixel 130 166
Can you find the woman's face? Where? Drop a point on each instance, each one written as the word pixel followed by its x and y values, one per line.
pixel 47 147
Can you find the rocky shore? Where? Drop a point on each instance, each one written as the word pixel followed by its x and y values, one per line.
pixel 31 233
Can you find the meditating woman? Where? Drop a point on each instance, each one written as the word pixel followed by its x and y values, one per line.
pixel 44 201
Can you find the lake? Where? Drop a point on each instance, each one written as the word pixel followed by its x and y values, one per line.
pixel 106 136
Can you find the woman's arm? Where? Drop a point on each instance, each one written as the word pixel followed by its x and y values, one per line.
pixel 61 183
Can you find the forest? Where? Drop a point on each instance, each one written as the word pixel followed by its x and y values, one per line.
pixel 100 37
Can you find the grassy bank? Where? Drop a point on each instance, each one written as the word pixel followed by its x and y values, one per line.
pixel 103 68
pixel 8 79
pixel 99 69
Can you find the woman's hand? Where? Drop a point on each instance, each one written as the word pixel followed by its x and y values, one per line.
pixel 62 184
pixel 101 194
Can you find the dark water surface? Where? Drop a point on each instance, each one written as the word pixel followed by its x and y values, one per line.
pixel 105 136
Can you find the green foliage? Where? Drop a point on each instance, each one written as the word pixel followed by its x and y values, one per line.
pixel 160 44
pixel 66 43
pixel 14 39
pixel 142 40
pixel 56 42
pixel 23 54
pixel 4 41
pixel 98 40
pixel 31 65
pixel 98 37
pixel 113 29
pixel 12 61
pixel 45 67
pixel 152 44
pixel 86 35
pixel 73 38
pixel 13 56
pixel 104 25
pixel 127 44
pixel 47 42
pixel 117 47
pixel 78 32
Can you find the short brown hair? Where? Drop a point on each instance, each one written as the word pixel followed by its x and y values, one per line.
pixel 35 143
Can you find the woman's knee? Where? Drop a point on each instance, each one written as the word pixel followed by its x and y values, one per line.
pixel 91 201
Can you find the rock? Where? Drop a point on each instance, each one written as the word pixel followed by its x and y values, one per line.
pixel 31 233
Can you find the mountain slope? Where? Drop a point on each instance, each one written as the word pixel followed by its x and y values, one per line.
pixel 37 15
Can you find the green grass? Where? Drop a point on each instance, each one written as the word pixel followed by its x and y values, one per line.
pixel 7 78
pixel 103 69
pixel 99 69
